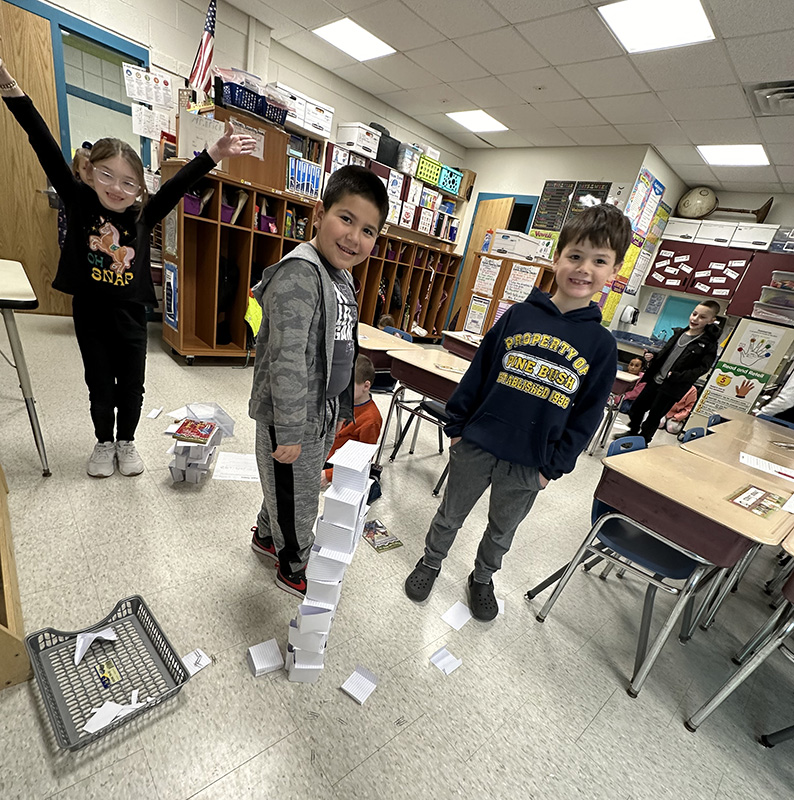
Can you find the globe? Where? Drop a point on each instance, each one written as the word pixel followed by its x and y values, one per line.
pixel 697 203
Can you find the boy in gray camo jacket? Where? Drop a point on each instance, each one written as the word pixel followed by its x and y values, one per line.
pixel 303 375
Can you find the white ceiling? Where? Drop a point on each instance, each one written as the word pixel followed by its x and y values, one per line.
pixel 553 73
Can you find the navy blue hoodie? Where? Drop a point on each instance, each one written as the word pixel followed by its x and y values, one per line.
pixel 536 389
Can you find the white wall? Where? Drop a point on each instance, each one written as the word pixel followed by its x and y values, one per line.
pixel 782 212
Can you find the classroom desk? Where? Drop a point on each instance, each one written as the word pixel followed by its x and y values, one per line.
pixel 460 343
pixel 375 343
pixel 429 372
pixel 751 429
pixel 16 293
pixel 622 383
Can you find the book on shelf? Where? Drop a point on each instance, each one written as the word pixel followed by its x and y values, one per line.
pixel 192 430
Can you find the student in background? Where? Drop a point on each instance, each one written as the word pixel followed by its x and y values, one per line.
pixel 635 367
pixel 688 354
pixel 673 421
pixel 303 374
pixel 386 320
pixel 782 404
pixel 368 421
pixel 528 403
pixel 105 265
pixel 81 169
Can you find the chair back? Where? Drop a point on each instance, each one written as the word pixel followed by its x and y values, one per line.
pixel 714 419
pixel 397 332
pixel 776 420
pixel 693 433
pixel 626 444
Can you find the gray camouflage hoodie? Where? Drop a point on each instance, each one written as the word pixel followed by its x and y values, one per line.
pixel 295 347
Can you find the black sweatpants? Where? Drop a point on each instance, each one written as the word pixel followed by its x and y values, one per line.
pixel 655 400
pixel 112 341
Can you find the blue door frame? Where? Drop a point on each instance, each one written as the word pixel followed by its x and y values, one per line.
pixel 61 21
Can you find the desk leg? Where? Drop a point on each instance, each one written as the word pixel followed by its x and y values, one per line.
pixel 397 395
pixel 24 384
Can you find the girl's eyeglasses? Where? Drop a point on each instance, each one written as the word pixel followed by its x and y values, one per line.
pixel 108 179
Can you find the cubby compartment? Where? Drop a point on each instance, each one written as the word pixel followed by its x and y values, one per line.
pixel 208 209
pixel 234 259
pixel 197 288
pixel 425 294
pixel 267 251
pixel 269 214
pixel 237 207
pixel 368 298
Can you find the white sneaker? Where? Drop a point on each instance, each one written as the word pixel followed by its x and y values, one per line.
pixel 130 463
pixel 102 463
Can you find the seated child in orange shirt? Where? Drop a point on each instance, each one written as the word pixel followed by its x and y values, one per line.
pixel 368 421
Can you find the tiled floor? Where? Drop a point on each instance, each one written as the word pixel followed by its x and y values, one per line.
pixel 536 711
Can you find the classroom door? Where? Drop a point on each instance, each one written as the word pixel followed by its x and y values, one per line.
pixel 491 214
pixel 29 232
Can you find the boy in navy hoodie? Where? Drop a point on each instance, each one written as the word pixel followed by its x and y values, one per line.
pixel 528 404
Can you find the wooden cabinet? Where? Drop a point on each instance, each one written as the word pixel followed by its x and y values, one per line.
pixel 718 272
pixel 674 264
pixel 758 274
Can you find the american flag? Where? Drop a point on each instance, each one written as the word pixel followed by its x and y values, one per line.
pixel 200 74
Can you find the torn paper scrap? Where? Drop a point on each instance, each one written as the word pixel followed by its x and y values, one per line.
pixel 102 717
pixel 85 640
pixel 457 616
pixel 501 603
pixel 445 661
pixel 195 661
pixel 154 413
pixel 360 685
pixel 265 657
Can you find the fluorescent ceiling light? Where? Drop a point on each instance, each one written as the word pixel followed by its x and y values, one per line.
pixel 734 155
pixel 643 25
pixel 477 121
pixel 352 39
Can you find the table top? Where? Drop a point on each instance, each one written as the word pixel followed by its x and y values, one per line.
pixel 678 475
pixel 626 377
pixel 749 428
pixel 15 288
pixel 462 336
pixel 437 362
pixel 370 338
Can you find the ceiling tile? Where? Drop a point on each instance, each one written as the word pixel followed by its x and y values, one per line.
pixel 363 77
pixel 595 135
pixel 745 173
pixel 782 154
pixel 470 140
pixel 397 25
pixel 786 174
pixel 571 113
pixel 352 5
pixel 681 155
pixel 520 117
pixel 447 61
pixel 765 57
pixel 733 17
pixel 726 131
pixel 439 122
pixel 457 17
pixel 401 70
pixel 714 102
pixel 310 13
pixel 504 139
pixel 280 26
pixel 322 53
pixel 696 175
pixel 631 108
pixel 427 100
pixel 550 137
pixel 656 133
pixel 571 38
pixel 487 92
pixel 603 78
pixel 788 188
pixel 542 85
pixel 501 51
pixel 685 67
pixel 523 10
pixel 762 187
pixel 777 130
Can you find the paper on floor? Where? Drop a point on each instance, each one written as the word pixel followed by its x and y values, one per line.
pixel 154 413
pixel 445 661
pixel 457 616
pixel 85 640
pixel 265 657
pixel 501 604
pixel 179 413
pixel 360 685
pixel 195 661
pixel 236 467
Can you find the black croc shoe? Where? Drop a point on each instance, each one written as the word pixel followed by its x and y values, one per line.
pixel 482 600
pixel 419 583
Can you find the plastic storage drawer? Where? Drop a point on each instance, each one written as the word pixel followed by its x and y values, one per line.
pixel 428 170
pixel 449 179
pixel 776 296
pixel 784 316
pixel 782 280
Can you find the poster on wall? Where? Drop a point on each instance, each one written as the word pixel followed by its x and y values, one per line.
pixel 648 212
pixel 520 283
pixel 196 133
pixel 553 205
pixel 487 275
pixel 148 123
pixel 153 88
pixel 170 295
pixel 639 194
pixel 546 238
pixel 475 316
pixel 588 193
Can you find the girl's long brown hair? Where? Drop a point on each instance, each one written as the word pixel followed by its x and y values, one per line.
pixel 108 148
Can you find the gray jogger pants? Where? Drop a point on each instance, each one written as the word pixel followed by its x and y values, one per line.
pixel 513 491
pixel 291 491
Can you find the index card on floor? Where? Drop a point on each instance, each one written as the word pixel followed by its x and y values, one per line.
pixel 457 616
pixel 236 467
pixel 445 661
pixel 265 657
pixel 178 413
pixel 360 685
pixel 195 661
pixel 154 413
pixel 85 640
pixel 501 604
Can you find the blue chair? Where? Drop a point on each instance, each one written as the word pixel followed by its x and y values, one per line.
pixel 776 420
pixel 693 433
pixel 714 419
pixel 397 332
pixel 645 554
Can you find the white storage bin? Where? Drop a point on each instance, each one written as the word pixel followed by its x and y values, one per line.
pixel 754 236
pixel 682 230
pixel 318 118
pixel 715 232
pixel 360 138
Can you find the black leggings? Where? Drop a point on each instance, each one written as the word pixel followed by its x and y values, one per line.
pixel 654 400
pixel 112 341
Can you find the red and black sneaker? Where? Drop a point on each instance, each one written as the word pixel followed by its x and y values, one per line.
pixel 263 546
pixel 294 583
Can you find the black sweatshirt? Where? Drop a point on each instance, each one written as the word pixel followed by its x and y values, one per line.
pixel 697 358
pixel 106 253
pixel 536 388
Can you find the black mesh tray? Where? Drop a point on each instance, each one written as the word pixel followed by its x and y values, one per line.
pixel 142 656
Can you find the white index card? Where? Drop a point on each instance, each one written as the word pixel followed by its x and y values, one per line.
pixel 315 642
pixel 327 565
pixel 457 616
pixel 501 604
pixel 265 657
pixel 445 661
pixel 154 413
pixel 195 661
pixel 85 640
pixel 102 717
pixel 178 413
pixel 301 674
pixel 312 619
pixel 360 685
pixel 306 659
pixel 337 537
pixel 323 591
pixel 351 465
pixel 766 466
pixel 342 506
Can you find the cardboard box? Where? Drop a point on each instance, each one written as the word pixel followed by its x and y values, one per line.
pixel 360 138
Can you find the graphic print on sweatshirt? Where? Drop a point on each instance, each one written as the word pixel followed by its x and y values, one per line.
pixel 555 380
pixel 345 312
pixel 106 239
